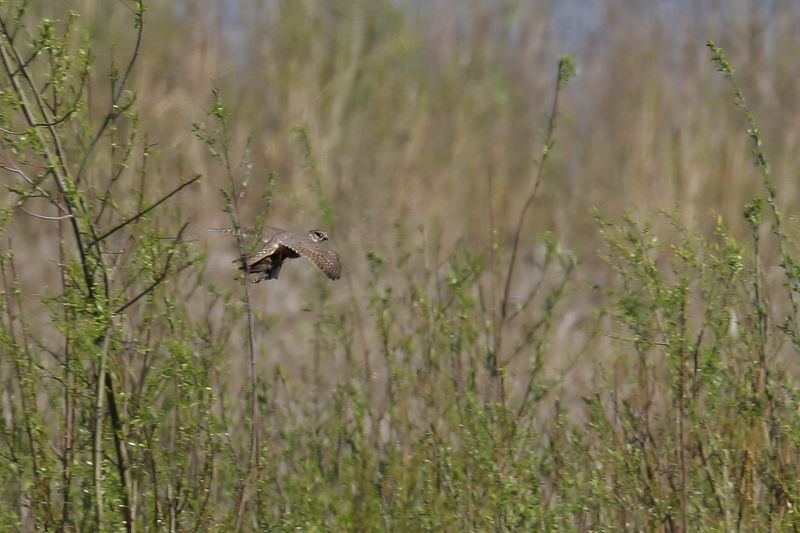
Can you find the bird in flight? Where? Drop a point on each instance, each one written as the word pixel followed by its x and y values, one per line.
pixel 275 245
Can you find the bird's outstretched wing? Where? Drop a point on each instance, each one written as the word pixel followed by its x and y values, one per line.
pixel 271 239
pixel 270 248
pixel 320 253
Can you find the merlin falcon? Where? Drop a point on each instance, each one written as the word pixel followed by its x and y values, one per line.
pixel 275 245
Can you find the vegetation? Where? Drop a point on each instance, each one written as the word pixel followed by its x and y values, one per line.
pixel 481 366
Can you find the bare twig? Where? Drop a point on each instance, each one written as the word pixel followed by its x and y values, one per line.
pixel 98 436
pixel 35 185
pixel 115 109
pixel 537 181
pixel 143 212
pixel 44 217
pixel 69 408
pixel 106 197
pixel 232 200
pixel 157 281
pixel 19 343
pixel 121 448
pixel 564 71
pixel 55 161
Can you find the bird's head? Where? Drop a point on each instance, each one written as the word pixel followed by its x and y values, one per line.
pixel 317 235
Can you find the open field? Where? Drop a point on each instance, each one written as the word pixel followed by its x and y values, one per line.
pixel 571 289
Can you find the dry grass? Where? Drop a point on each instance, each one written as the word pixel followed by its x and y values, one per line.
pixel 411 133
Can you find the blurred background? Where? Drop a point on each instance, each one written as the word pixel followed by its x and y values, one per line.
pixel 413 128
pixel 409 106
pixel 427 116
pixel 411 131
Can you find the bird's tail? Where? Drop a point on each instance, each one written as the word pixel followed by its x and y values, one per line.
pixel 230 231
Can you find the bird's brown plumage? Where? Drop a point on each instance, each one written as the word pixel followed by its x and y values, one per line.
pixel 277 245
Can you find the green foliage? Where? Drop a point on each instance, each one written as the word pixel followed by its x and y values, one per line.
pixel 75 426
pixel 140 395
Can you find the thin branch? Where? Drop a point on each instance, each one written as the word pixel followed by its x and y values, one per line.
pixel 69 402
pixel 564 71
pixel 537 181
pixel 11 132
pixel 232 201
pixel 122 166
pixel 44 217
pixel 98 437
pixel 21 352
pixel 143 212
pixel 56 162
pixel 528 299
pixel 37 97
pixel 120 446
pixel 112 115
pixel 72 108
pixel 36 52
pixel 634 341
pixel 35 185
pixel 157 281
